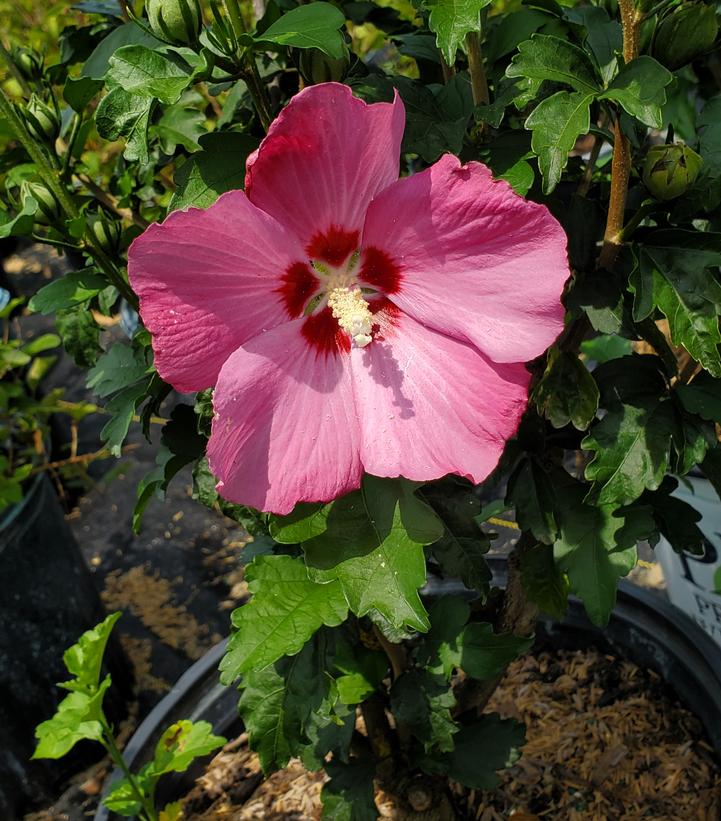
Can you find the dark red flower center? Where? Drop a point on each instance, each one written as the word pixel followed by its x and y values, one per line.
pixel 339 289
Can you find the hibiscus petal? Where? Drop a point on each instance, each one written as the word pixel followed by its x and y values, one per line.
pixel 476 261
pixel 208 281
pixel 431 405
pixel 285 428
pixel 325 157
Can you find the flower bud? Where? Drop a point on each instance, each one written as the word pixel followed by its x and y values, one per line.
pixel 48 207
pixel 42 120
pixel 670 170
pixel 689 30
pixel 316 67
pixel 177 21
pixel 106 232
pixel 29 63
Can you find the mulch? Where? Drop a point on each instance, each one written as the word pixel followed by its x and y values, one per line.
pixel 606 740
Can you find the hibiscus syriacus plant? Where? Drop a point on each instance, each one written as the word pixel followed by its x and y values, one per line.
pixel 400 278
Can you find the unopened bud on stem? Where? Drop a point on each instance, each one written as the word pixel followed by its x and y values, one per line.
pixel 177 21
pixel 670 170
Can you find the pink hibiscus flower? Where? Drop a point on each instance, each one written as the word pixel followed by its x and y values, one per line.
pixel 351 321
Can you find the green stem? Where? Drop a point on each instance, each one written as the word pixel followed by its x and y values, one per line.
pixel 257 91
pixel 77 122
pixel 117 757
pixel 645 209
pixel 51 177
pixel 479 84
pixel 56 242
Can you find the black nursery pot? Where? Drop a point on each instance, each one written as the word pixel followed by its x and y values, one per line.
pixel 644 628
pixel 47 600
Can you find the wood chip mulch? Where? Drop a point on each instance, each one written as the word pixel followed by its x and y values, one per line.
pixel 606 741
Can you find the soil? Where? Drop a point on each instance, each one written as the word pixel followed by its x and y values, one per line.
pixel 606 741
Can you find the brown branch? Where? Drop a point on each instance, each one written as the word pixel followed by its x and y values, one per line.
pixel 479 84
pixel 83 459
pixel 621 163
pixel 396 653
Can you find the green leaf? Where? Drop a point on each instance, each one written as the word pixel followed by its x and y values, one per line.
pixel 143 72
pixel 179 125
pixel 605 347
pixel 631 445
pixel 120 367
pixel 708 124
pixel 485 654
pixel 675 274
pixel 121 408
pixel 123 799
pixel 97 64
pixel 640 88
pixel 691 439
pixel 40 344
pixel 544 57
pixel 448 615
pixel 556 123
pixel 72 289
pixel 702 396
pixel 479 652
pixel 451 20
pixel 461 550
pixel 183 742
pixel 545 585
pixel 520 177
pixel 371 542
pixel 677 521
pixel 22 223
pixel 349 795
pixel 76 719
pixel 85 658
pixel 604 37
pixel 362 671
pixel 511 29
pixel 474 648
pixel 277 704
pixel 285 610
pixel 80 334
pixel 316 25
pixel 121 114
pixel 431 130
pixel 592 549
pixel 482 748
pixel 566 392
pixel 422 702
pixel 218 168
pixel 530 491
pixel 78 92
pixel 634 380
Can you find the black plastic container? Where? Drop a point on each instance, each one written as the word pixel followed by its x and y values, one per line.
pixel 644 628
pixel 47 600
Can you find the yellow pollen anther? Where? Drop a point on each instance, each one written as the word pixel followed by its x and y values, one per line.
pixel 352 313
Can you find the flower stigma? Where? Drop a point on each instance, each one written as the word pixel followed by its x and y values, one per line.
pixel 353 314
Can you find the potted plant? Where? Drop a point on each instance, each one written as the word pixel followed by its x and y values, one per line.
pixel 50 596
pixel 372 356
